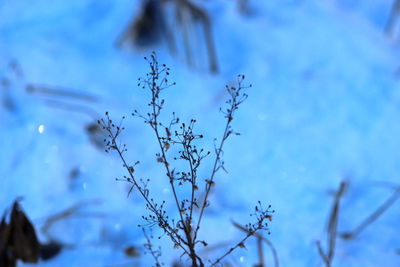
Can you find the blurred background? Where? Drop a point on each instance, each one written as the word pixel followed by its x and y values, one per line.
pixel 323 109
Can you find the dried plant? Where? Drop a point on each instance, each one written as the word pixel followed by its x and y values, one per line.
pixel 182 227
pixel 154 22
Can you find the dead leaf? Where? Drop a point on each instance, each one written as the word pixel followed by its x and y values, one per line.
pixel 23 240
pixel 132 251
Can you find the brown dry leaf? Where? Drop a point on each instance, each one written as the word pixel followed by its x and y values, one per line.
pixel 50 250
pixel 7 257
pixel 23 239
pixel 132 251
pixel 167 145
pixel 5 231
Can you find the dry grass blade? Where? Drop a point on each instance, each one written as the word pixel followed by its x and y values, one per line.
pixel 328 255
pixel 59 92
pixel 393 17
pixel 71 211
pixel 374 216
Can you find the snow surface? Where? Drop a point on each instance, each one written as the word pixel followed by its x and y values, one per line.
pixel 324 107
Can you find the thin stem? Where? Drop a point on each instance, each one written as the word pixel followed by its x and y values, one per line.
pixel 193 181
pixel 176 238
pixel 164 157
pixel 155 254
pixel 260 237
pixel 154 124
pixel 239 244
pixel 236 98
pixel 214 170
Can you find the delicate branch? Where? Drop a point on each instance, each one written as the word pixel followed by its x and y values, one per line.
pixel 155 82
pixel 113 132
pixel 263 216
pixel 236 98
pixel 156 254
pixel 262 238
pixel 240 244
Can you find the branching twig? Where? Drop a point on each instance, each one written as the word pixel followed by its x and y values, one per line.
pixel 262 238
pixel 240 244
pixel 156 254
pixel 182 231
pixel 262 216
pixel 156 83
pixel 159 216
pixel 236 98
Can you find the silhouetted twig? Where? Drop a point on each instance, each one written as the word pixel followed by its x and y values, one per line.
pixel 181 228
pixel 155 253
pixel 262 216
pixel 262 238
